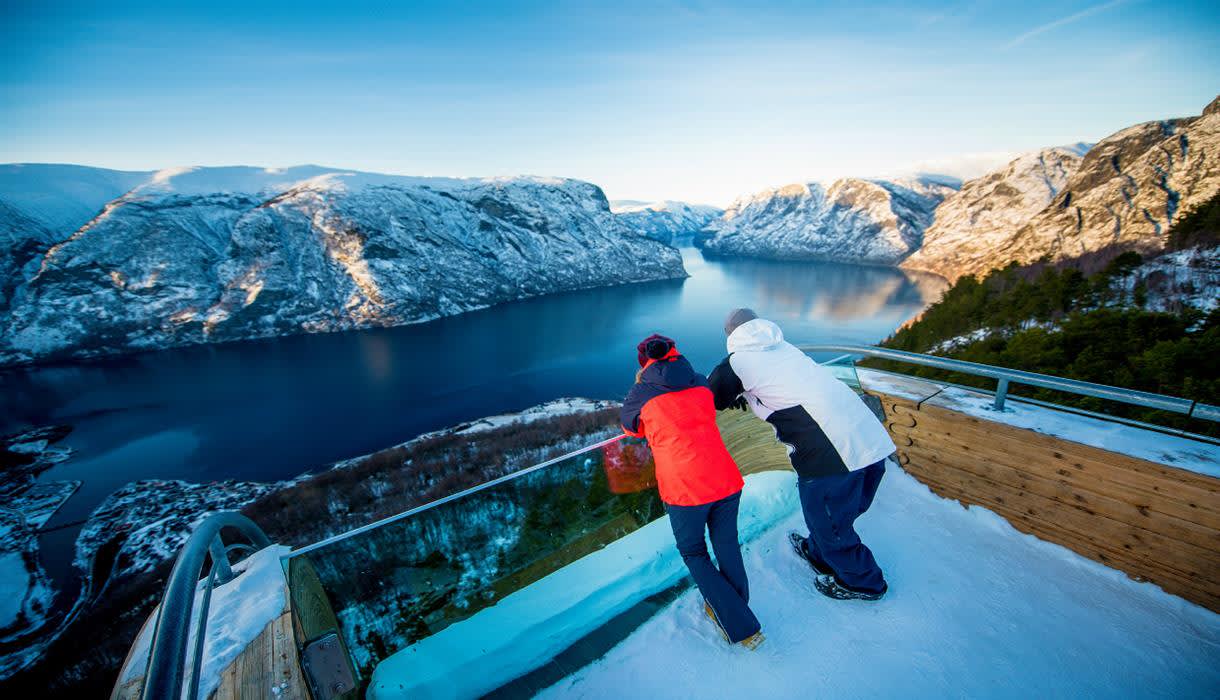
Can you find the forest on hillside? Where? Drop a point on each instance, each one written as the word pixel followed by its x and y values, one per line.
pixel 1112 317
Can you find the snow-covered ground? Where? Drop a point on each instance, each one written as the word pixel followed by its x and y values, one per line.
pixel 975 609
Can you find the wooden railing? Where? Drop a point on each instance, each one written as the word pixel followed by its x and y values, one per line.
pixel 1154 522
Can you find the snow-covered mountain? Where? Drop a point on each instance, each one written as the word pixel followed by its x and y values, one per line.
pixel 100 261
pixel 666 221
pixel 1127 191
pixel 972 222
pixel 852 220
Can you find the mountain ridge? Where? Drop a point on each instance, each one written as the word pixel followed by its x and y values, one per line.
pixel 195 255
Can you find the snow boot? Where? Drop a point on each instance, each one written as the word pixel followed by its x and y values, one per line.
pixel 711 615
pixel 830 587
pixel 753 641
pixel 801 547
pixel 750 642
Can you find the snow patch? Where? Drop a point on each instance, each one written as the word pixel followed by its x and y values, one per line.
pixel 237 614
pixel 975 609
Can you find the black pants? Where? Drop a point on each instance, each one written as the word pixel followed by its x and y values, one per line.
pixel 725 588
pixel 831 505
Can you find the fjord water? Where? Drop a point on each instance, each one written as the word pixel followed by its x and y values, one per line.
pixel 272 409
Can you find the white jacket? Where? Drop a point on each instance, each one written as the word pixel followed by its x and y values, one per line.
pixel 789 390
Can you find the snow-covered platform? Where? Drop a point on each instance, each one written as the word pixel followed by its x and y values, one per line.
pixel 975 609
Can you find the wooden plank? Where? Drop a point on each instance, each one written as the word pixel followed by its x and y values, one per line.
pixel 1185 557
pixel 1194 562
pixel 133 687
pixel 1084 479
pixel 1170 580
pixel 270 661
pixel 1186 477
pixel 1062 490
pixel 1165 496
pixel 286 672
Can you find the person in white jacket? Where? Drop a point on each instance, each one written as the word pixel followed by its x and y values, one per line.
pixel 836 444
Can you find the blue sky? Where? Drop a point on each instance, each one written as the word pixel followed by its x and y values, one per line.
pixel 686 100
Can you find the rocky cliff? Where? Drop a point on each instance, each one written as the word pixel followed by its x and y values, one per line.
pixel 852 220
pixel 200 255
pixel 1126 192
pixel 972 222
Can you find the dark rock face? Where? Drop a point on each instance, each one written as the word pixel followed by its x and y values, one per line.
pixel 209 255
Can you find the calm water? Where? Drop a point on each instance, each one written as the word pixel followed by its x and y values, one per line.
pixel 272 409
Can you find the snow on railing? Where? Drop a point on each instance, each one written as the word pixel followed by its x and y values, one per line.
pixel 1004 377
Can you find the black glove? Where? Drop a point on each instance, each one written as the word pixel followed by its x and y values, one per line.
pixel 741 403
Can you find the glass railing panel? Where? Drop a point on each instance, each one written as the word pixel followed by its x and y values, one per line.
pixel 844 368
pixel 394 585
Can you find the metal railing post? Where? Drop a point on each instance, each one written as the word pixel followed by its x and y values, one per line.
pixel 1001 393
pixel 220 561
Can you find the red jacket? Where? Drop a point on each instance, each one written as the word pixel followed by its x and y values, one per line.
pixel 672 407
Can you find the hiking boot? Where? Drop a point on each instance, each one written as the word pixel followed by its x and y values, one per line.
pixel 711 615
pixel 800 545
pixel 831 587
pixel 753 641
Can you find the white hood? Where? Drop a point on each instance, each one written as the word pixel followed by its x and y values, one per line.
pixel 755 336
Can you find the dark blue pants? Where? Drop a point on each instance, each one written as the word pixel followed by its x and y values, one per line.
pixel 725 588
pixel 831 505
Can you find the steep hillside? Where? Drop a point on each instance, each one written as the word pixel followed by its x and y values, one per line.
pixel 1127 191
pixel 970 223
pixel 214 254
pixel 852 220
pixel 1149 324
pixel 666 221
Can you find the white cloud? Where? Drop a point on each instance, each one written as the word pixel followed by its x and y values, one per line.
pixel 1074 17
pixel 965 165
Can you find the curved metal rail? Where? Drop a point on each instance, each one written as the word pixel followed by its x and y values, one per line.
pixel 167 660
pixel 1004 377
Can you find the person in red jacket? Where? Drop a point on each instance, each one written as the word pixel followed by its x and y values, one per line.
pixel 672 407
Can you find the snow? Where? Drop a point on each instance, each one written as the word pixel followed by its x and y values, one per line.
pixel 850 220
pixel 1183 278
pixel 550 409
pixel 15 585
pixel 667 221
pixel 238 612
pixel 1170 450
pixel 63 198
pixel 530 626
pixel 375 250
pixel 975 609
pixel 971 225
pixel 897 385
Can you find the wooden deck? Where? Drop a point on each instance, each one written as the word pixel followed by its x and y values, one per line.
pixel 1154 522
pixel 268 668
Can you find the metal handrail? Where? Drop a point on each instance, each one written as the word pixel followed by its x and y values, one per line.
pixel 451 497
pixel 1004 377
pixel 167 658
